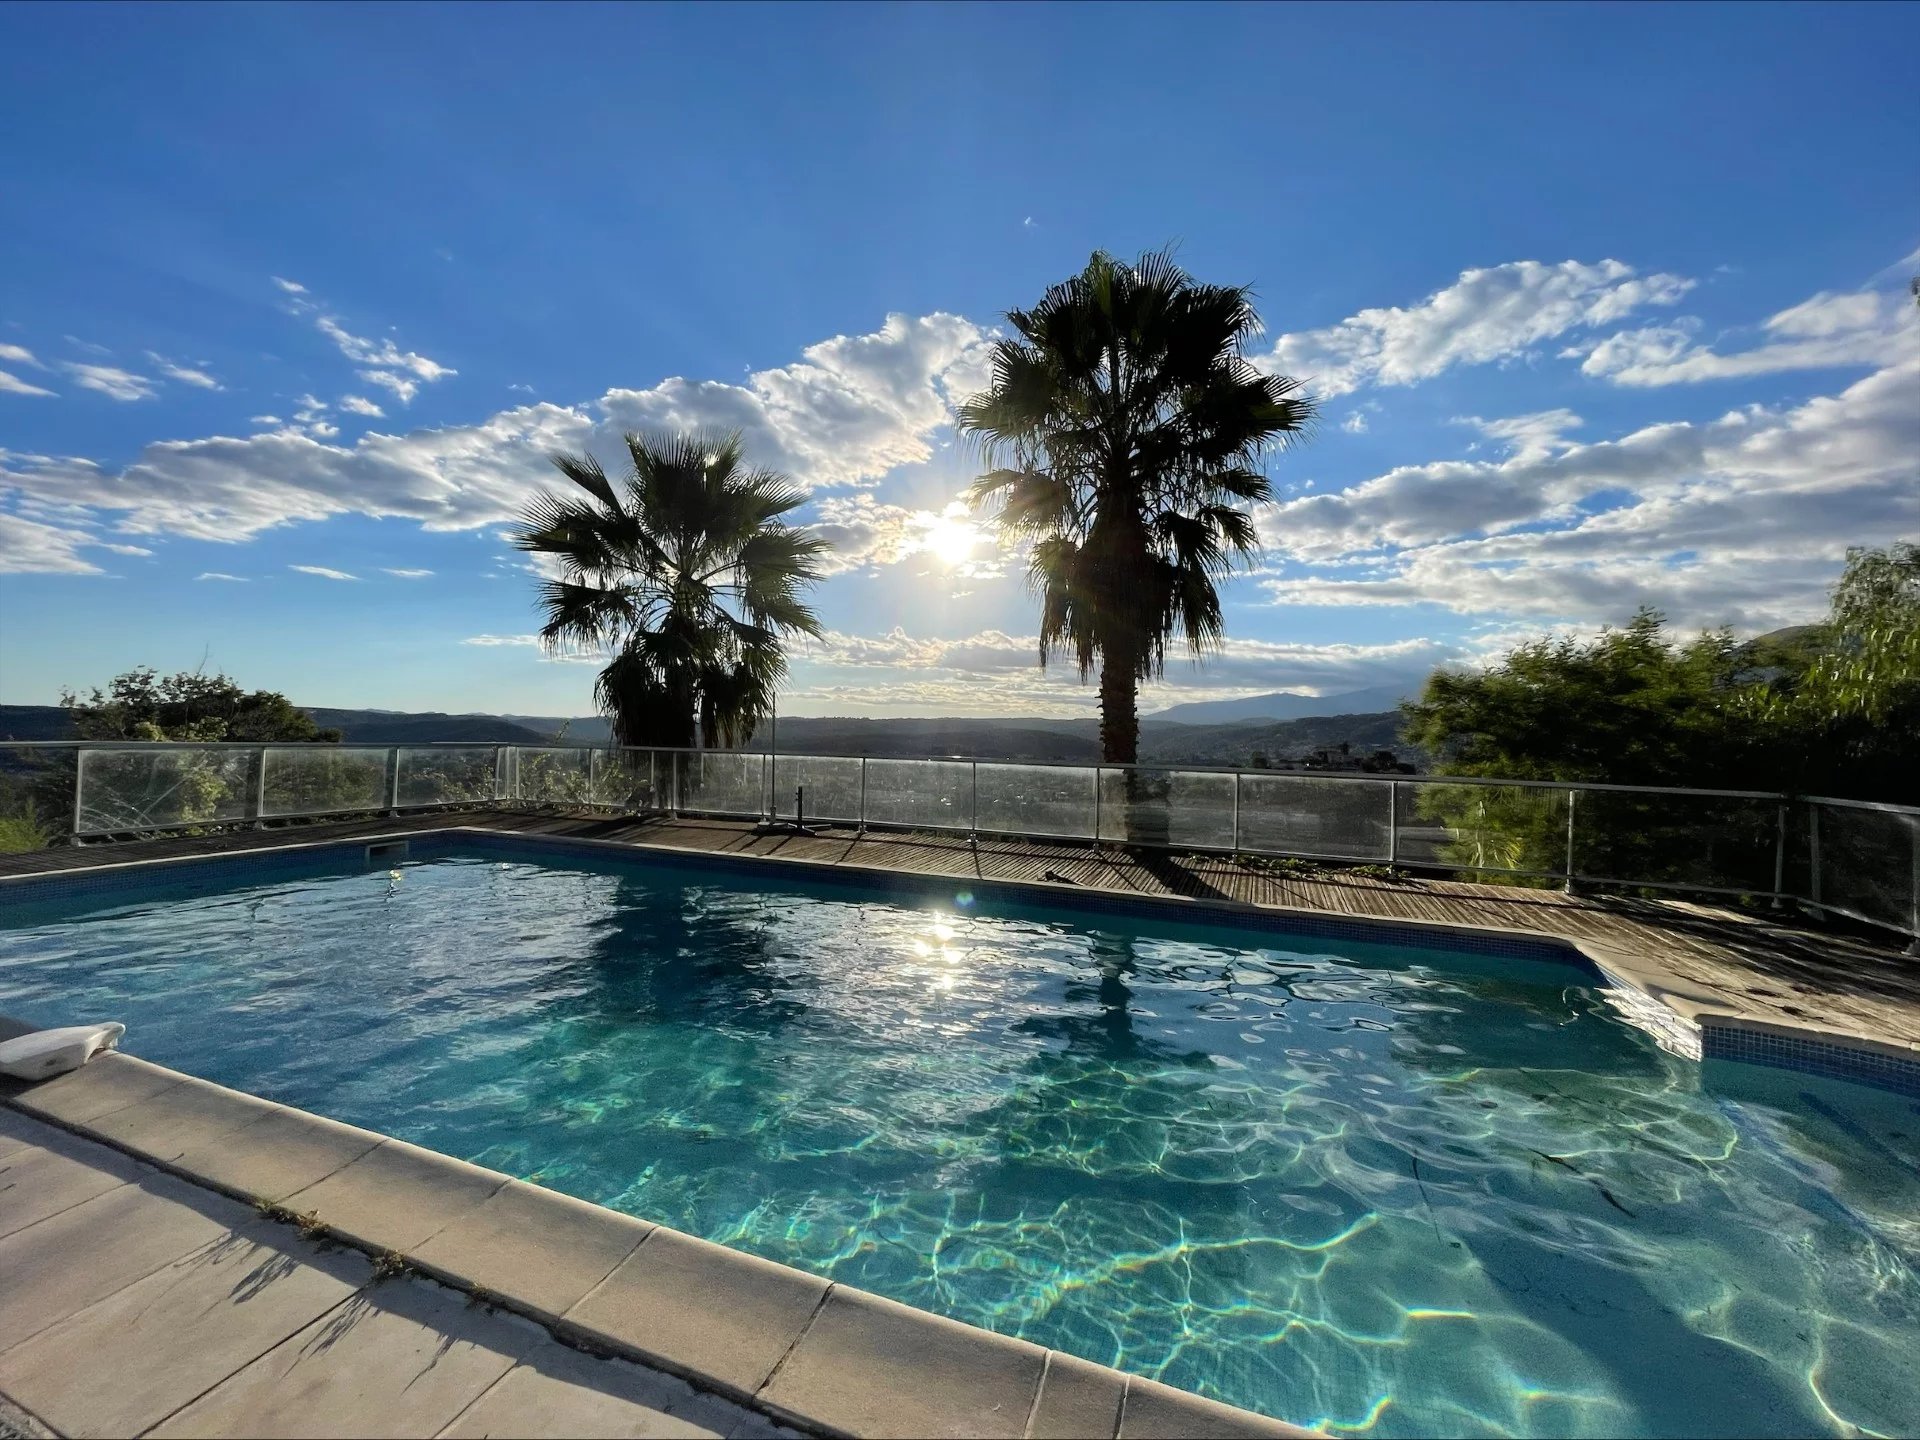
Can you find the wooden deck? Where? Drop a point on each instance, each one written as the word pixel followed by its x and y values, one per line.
pixel 1772 966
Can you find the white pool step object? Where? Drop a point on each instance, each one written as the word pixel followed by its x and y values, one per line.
pixel 46 1053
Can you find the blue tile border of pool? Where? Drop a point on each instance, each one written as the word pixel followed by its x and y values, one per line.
pixel 1807 1054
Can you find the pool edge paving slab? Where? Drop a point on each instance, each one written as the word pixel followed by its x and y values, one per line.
pixel 798 1349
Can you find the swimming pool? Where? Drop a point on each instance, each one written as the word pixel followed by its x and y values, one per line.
pixel 1383 1189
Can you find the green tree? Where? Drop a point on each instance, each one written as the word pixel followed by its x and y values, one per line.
pixel 686 574
pixel 1848 722
pixel 144 705
pixel 1125 427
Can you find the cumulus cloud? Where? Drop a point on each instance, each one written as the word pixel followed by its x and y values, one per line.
pixel 1498 313
pixel 864 532
pixel 851 410
pixel 110 380
pixel 1828 331
pixel 1742 520
pixel 360 405
pixel 323 572
pixel 410 574
pixel 185 374
pixel 19 355
pixel 292 287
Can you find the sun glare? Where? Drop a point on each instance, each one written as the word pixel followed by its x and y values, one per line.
pixel 951 540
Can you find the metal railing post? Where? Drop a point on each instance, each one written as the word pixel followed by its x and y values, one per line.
pixel 393 777
pixel 973 809
pixel 1236 812
pixel 1913 918
pixel 1393 823
pixel 1572 798
pixel 673 797
pixel 863 794
pixel 1780 857
pixel 259 801
pixel 1096 804
pixel 79 778
pixel 1813 853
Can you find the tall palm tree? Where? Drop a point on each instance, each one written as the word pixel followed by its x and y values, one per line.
pixel 1126 427
pixel 686 573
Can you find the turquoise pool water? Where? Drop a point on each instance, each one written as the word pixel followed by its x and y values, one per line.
pixel 1387 1191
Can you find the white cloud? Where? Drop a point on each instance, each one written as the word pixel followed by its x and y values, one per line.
pixel 382 354
pixel 1825 332
pixel 323 572
pixel 853 408
pixel 410 574
pixel 110 381
pixel 850 412
pixel 30 548
pixel 19 355
pixel 221 575
pixel 898 672
pixel 14 385
pixel 1528 436
pixel 385 364
pixel 1494 314
pixel 864 532
pixel 124 549
pixel 360 405
pixel 501 640
pixel 185 374
pixel 1742 520
pixel 403 389
pixel 265 420
pixel 1355 424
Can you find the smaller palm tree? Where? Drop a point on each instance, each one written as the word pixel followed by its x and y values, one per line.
pixel 686 575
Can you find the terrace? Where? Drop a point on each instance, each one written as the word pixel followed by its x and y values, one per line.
pixel 1728 964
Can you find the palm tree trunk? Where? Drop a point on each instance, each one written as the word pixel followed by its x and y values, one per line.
pixel 1119 710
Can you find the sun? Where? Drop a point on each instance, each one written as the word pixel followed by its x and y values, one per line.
pixel 951 540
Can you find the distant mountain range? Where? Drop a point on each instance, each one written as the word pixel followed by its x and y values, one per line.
pixel 1162 740
pixel 1288 705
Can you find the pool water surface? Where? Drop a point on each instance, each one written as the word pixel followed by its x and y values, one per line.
pixel 1379 1189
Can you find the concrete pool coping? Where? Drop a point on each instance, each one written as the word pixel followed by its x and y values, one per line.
pixel 803 1351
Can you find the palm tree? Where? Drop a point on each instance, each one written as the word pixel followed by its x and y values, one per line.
pixel 686 574
pixel 1126 426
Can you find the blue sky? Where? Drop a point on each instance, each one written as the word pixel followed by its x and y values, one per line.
pixel 1600 312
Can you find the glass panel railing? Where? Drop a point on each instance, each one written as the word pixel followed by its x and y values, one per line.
pixel 630 781
pixel 1707 842
pixel 1866 863
pixel 1054 800
pixel 719 782
pixel 1151 806
pixel 449 775
pixel 36 796
pixel 831 783
pixel 553 775
pixel 163 789
pixel 920 794
pixel 1495 829
pixel 324 779
pixel 1316 817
